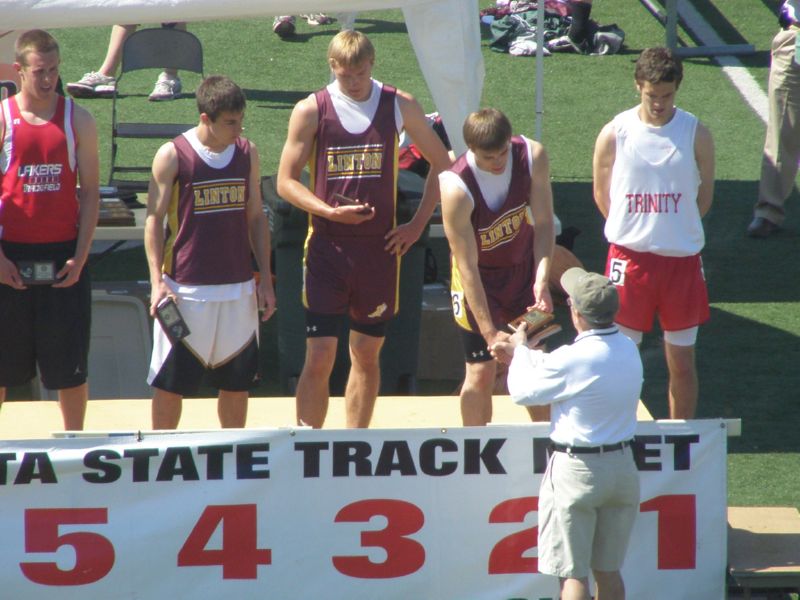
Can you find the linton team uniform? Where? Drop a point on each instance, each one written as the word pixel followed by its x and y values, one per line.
pixel 654 224
pixel 39 222
pixel 503 229
pixel 346 269
pixel 208 265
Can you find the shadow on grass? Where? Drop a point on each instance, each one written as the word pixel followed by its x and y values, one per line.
pixel 367 26
pixel 275 98
pixel 748 370
pixel 122 96
pixel 377 26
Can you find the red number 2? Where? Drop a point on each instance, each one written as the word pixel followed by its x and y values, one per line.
pixel 506 556
pixel 403 555
pixel 94 554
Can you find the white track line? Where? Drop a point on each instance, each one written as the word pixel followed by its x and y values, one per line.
pixel 739 76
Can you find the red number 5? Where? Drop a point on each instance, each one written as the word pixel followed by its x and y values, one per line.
pixel 94 554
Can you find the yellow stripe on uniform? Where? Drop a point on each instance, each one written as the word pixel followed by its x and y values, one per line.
pixel 312 169
pixel 458 297
pixel 172 221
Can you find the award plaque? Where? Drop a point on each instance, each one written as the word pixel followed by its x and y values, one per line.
pixel 535 319
pixel 37 272
pixel 171 320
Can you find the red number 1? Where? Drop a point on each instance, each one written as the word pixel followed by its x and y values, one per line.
pixel 677 530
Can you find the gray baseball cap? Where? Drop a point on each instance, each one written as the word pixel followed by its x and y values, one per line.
pixel 592 295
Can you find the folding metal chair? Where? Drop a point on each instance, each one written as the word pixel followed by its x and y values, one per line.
pixel 157 48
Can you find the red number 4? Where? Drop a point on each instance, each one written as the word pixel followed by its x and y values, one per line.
pixel 239 555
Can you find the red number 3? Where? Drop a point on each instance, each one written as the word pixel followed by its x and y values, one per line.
pixel 403 555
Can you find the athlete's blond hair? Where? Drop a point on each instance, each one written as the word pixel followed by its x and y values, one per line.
pixel 349 48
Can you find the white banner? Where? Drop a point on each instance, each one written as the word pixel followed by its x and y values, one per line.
pixel 423 514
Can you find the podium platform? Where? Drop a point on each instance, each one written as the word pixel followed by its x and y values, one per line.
pixel 39 419
pixel 764 548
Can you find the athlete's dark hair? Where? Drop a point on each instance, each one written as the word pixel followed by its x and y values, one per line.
pixel 658 64
pixel 218 94
pixel 487 129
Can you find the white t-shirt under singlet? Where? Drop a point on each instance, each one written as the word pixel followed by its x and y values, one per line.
pixel 356 116
pixel 493 187
pixel 654 184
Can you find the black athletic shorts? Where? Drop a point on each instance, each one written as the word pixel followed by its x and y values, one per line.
pixel 475 348
pixel 45 325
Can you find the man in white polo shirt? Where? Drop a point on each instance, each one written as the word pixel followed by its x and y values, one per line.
pixel 589 496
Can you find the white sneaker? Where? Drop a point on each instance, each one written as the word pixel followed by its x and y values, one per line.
pixel 166 89
pixel 315 19
pixel 93 85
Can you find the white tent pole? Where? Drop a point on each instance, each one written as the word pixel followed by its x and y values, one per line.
pixel 539 69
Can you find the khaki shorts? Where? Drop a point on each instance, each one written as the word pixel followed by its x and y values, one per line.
pixel 587 506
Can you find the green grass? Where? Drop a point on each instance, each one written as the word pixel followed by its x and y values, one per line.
pixel 747 354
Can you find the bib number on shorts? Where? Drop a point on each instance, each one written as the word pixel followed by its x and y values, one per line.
pixel 458 304
pixel 616 271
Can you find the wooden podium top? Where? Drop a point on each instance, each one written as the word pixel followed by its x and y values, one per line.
pixel 764 541
pixel 38 419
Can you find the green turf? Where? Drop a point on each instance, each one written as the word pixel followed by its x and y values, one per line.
pixel 747 354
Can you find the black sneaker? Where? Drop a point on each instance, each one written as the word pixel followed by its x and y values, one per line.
pixel 762 228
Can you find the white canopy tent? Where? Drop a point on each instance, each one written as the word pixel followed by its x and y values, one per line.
pixel 445 34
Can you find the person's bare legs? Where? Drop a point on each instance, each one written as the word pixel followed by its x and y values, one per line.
pixel 476 393
pixel 312 387
pixel 609 585
pixel 232 408
pixel 172 73
pixel 119 33
pixel 166 409
pixel 575 589
pixel 73 406
pixel 683 384
pixel 364 380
